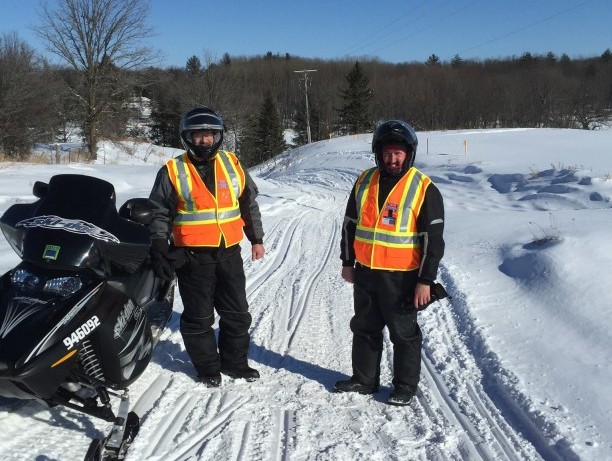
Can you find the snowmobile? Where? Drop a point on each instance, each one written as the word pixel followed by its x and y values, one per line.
pixel 81 313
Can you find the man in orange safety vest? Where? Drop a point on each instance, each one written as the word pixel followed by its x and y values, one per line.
pixel 391 247
pixel 205 200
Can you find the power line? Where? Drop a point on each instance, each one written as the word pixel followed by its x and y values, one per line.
pixel 369 40
pixel 520 29
pixel 429 25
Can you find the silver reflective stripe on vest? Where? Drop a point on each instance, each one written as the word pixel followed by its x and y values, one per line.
pixel 231 171
pixel 202 216
pixel 413 187
pixel 372 236
pixel 226 215
pixel 182 218
pixel 183 178
pixel 363 185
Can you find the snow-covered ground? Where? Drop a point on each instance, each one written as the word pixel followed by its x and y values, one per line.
pixel 516 366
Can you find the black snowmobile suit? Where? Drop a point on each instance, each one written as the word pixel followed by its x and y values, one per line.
pixel 384 298
pixel 212 278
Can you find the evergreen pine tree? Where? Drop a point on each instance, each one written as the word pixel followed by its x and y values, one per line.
pixel 263 136
pixel 301 133
pixel 433 60
pixel 193 66
pixel 270 129
pixel 456 61
pixel 165 120
pixel 354 114
pixel 248 142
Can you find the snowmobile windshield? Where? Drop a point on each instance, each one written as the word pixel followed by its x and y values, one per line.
pixel 76 225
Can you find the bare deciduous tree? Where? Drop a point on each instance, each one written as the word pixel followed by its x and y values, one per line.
pixel 101 40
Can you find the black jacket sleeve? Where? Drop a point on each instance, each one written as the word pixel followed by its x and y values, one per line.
pixel 349 226
pixel 249 210
pixel 165 201
pixel 430 225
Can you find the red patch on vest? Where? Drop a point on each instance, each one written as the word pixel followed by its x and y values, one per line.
pixel 390 214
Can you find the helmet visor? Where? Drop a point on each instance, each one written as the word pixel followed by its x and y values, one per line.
pixel 202 137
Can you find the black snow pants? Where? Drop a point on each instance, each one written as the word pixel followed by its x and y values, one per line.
pixel 204 288
pixel 381 299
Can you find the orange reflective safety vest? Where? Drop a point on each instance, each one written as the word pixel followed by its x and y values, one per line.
pixel 203 218
pixel 388 238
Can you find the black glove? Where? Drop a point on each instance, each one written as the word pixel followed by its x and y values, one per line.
pixel 162 267
pixel 437 293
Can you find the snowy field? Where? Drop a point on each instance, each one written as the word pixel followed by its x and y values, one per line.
pixel 516 366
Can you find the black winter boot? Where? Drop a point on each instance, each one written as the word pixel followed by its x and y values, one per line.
pixel 402 396
pixel 243 372
pixel 353 385
pixel 211 380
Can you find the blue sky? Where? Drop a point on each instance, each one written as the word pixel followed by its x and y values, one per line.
pixel 392 30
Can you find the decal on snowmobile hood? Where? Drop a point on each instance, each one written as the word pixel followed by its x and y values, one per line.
pixel 51 252
pixel 75 226
pixel 126 314
pixel 19 309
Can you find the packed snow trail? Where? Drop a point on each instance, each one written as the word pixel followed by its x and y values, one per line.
pixel 301 342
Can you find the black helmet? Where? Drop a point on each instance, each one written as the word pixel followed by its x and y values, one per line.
pixel 395 131
pixel 201 118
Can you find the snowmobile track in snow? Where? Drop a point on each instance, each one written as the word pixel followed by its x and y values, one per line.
pixel 488 415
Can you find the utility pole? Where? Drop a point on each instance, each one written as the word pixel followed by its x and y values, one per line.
pixel 305 73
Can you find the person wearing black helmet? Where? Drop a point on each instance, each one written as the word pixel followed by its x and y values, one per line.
pixel 391 246
pixel 205 203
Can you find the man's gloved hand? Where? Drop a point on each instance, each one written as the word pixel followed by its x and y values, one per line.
pixel 437 293
pixel 162 266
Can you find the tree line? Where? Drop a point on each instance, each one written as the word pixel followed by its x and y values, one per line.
pixel 261 96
